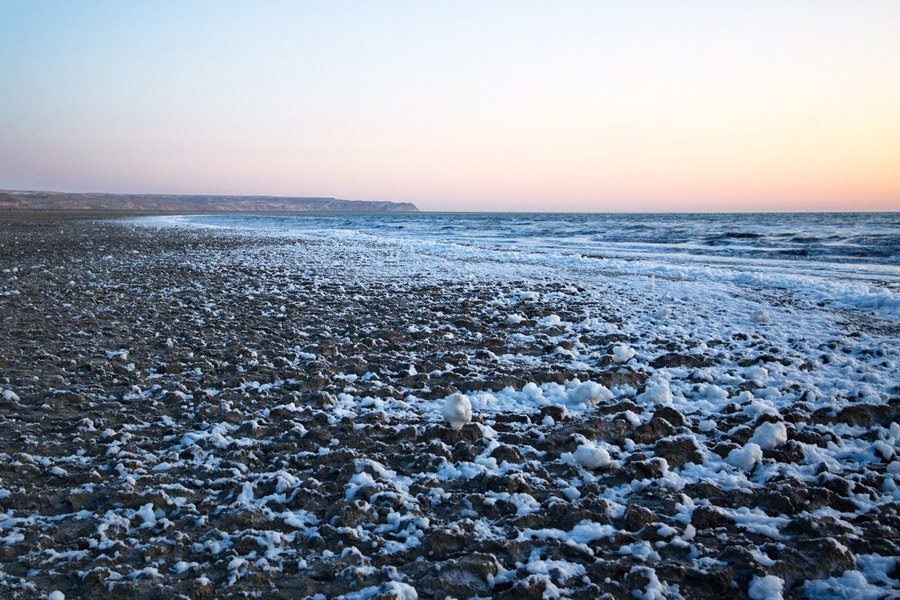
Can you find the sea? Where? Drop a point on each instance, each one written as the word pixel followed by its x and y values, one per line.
pixel 845 246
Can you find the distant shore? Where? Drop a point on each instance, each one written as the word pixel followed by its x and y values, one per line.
pixel 40 213
pixel 45 200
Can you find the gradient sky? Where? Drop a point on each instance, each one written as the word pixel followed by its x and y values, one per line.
pixel 487 105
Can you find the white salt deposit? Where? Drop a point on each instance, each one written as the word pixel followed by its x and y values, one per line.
pixel 745 458
pixel 768 587
pixel 589 394
pixel 883 450
pixel 550 321
pixel 623 353
pixel 591 456
pixel 770 435
pixel 657 393
pixel 457 410
pixel 759 316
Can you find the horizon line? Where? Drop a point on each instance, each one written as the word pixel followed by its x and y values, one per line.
pixel 418 210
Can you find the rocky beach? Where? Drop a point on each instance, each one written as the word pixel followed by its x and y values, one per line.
pixel 219 413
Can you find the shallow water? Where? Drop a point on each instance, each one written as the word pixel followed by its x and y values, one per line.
pixel 851 246
pixel 867 238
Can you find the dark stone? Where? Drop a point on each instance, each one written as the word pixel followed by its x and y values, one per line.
pixel 653 430
pixel 678 451
pixel 637 517
pixel 673 359
pixel 462 577
pixel 708 517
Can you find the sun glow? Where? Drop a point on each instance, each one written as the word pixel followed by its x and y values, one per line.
pixel 505 106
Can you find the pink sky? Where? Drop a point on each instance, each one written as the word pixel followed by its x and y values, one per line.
pixel 506 106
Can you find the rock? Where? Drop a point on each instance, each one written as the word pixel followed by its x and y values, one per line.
pixel 678 451
pixel 531 587
pixel 673 360
pixel 507 453
pixel 463 577
pixel 858 414
pixel 442 543
pixel 554 411
pixel 644 469
pixel 351 513
pixel 671 415
pixel 654 429
pixel 708 517
pixel 637 517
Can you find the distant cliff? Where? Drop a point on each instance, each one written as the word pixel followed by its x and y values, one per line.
pixel 201 204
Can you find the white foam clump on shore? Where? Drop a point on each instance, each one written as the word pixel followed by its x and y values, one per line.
pixel 457 410
pixel 589 394
pixel 591 456
pixel 770 435
pixel 769 587
pixel 884 450
pixel 657 392
pixel 655 589
pixel 623 353
pixel 745 458
pixel 148 515
pixel 391 589
pixel 759 316
pixel 756 373
pixel 550 321
pixel 852 584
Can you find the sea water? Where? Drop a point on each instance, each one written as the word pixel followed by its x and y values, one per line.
pixel 867 243
pixel 848 259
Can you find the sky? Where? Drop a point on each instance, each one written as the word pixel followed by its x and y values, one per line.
pixel 460 106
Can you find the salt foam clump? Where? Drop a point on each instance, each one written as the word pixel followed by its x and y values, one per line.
pixel 886 452
pixel 457 410
pixel 589 394
pixel 745 458
pixel 623 353
pixel 759 316
pixel 766 588
pixel 590 456
pixel 770 435
pixel 550 321
pixel 657 392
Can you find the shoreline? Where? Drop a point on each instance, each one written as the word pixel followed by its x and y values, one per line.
pixel 25 215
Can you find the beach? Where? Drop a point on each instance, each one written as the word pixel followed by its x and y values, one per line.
pixel 206 409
